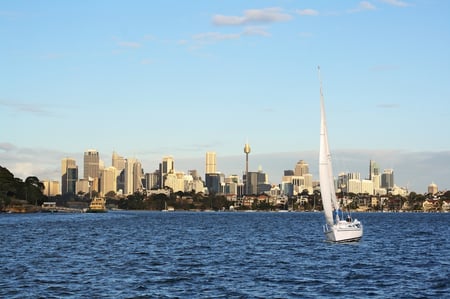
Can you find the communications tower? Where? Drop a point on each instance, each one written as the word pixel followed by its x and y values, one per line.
pixel 246 151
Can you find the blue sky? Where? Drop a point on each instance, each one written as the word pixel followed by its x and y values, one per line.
pixel 154 78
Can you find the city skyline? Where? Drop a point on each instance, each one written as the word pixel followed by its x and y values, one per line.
pixel 169 163
pixel 153 79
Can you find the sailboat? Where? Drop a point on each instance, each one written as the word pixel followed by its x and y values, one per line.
pixel 336 229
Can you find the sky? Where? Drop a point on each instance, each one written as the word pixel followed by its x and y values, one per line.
pixel 149 79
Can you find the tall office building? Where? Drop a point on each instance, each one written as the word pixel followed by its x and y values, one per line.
pixel 210 162
pixel 257 182
pixel 301 168
pixel 166 167
pixel 432 189
pixel 51 188
pixel 367 187
pixel 69 176
pixel 151 180
pixel 91 164
pixel 108 180
pixel 133 175
pixel 354 176
pixel 118 162
pixel 387 179
pixel 342 182
pixel 214 182
pixel 194 174
pixel 138 176
pixel 374 169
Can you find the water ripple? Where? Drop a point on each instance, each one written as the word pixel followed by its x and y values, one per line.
pixel 220 255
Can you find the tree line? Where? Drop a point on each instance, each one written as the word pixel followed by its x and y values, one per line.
pixel 15 190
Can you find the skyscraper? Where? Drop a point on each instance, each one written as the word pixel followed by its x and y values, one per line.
pixel 166 167
pixel 374 169
pixel 69 176
pixel 387 179
pixel 91 164
pixel 133 176
pixel 301 168
pixel 214 182
pixel 108 180
pixel 118 162
pixel 210 162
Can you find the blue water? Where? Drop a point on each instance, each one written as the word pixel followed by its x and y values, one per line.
pixel 221 255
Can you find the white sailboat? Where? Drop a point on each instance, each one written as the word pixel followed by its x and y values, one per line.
pixel 335 229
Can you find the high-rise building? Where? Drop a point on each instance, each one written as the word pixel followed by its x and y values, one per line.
pixel 374 169
pixel 288 172
pixel 194 174
pixel 387 179
pixel 432 189
pixel 342 182
pixel 133 176
pixel 214 182
pixel 108 180
pixel 91 164
pixel 376 181
pixel 118 162
pixel 69 176
pixel 354 186
pixel 301 168
pixel 151 180
pixel 367 187
pixel 83 186
pixel 257 182
pixel 166 167
pixel 210 162
pixel 354 176
pixel 51 188
pixel 138 175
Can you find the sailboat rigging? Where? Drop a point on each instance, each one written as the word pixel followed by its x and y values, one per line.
pixel 335 228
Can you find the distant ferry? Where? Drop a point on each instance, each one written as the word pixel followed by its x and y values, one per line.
pixel 98 205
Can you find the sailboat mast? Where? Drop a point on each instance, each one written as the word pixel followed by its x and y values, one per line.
pixel 328 191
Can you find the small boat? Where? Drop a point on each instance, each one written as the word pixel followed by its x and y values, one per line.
pixel 97 205
pixel 336 229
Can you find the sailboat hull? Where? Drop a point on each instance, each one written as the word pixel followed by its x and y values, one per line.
pixel 344 231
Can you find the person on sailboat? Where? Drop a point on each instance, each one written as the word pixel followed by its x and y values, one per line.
pixel 349 218
pixel 336 214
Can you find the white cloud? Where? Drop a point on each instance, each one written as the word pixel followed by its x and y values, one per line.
pixel 22 162
pixel 256 30
pixel 396 3
pixel 212 37
pixel 307 12
pixel 6 146
pixel 215 36
pixel 363 6
pixel 251 16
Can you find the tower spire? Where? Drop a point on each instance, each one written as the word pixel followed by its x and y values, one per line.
pixel 246 151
